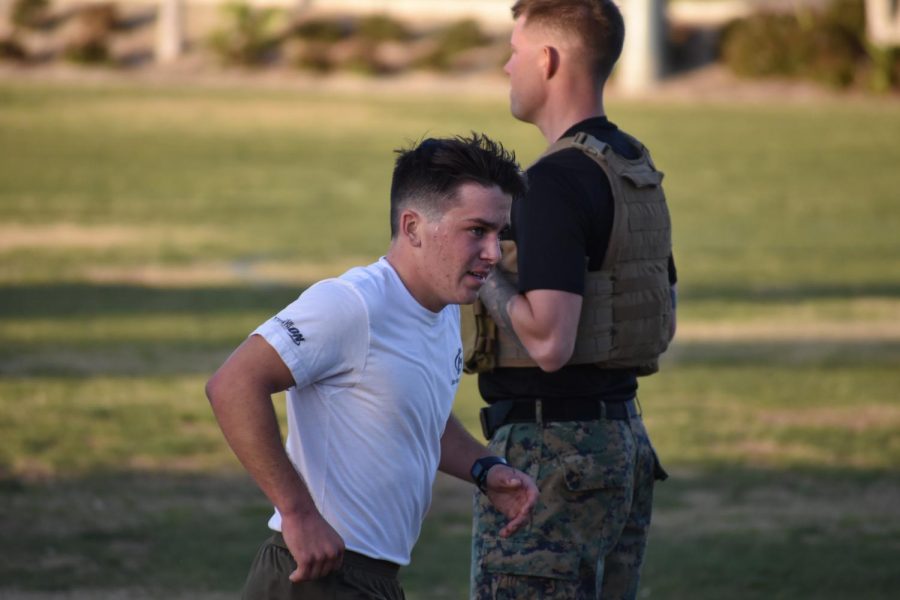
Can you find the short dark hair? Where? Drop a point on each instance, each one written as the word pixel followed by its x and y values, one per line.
pixel 597 24
pixel 428 175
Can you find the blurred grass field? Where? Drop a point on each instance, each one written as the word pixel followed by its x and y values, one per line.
pixel 144 231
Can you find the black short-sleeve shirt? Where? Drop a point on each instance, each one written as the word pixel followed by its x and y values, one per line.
pixel 564 220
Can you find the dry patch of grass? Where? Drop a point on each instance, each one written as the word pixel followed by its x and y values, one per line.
pixel 219 273
pixel 187 112
pixel 858 419
pixel 96 237
pixel 773 452
pixel 783 330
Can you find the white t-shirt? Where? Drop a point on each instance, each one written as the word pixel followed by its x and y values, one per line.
pixel 375 374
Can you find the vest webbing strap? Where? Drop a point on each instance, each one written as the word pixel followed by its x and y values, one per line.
pixel 636 284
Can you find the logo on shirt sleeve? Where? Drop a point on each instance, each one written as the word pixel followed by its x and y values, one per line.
pixel 295 334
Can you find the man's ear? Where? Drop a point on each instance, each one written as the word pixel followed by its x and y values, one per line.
pixel 550 59
pixel 411 226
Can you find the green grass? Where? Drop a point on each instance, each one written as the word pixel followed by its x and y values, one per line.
pixel 145 231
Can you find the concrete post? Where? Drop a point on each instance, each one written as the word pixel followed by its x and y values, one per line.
pixel 883 22
pixel 641 64
pixel 169 30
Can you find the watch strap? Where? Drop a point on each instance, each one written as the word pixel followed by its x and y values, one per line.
pixel 481 467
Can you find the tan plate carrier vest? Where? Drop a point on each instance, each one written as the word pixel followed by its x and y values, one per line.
pixel 627 307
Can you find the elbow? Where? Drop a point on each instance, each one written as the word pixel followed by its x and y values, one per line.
pixel 213 388
pixel 553 355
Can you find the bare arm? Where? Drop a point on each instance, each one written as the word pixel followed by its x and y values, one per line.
pixel 511 491
pixel 544 321
pixel 240 393
pixel 459 450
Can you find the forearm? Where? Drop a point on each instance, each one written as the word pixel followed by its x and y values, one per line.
pixel 240 394
pixel 511 311
pixel 543 322
pixel 495 294
pixel 250 427
pixel 459 450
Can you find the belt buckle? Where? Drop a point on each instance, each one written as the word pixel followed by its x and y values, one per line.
pixel 602 410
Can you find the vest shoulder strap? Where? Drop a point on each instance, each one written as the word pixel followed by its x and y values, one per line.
pixel 639 172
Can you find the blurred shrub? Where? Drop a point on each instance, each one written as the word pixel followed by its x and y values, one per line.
pixel 832 57
pixel 375 44
pixel 761 45
pixel 825 46
pixel 310 43
pixel 88 34
pixel 452 41
pixel 29 13
pixel 361 56
pixel 381 28
pixel 247 38
pixel 324 45
pixel 847 15
pixel 11 50
pixel 323 30
pixel 312 55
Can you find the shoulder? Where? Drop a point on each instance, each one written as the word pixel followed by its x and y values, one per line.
pixel 567 169
pixel 565 178
pixel 333 295
pixel 373 285
pixel 560 164
pixel 332 306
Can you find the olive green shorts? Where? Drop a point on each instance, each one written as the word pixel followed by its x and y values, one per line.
pixel 359 578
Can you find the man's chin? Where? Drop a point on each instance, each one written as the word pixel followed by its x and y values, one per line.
pixel 519 115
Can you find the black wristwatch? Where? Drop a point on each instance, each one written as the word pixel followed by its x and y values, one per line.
pixel 481 467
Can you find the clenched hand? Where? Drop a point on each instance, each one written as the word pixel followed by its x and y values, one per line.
pixel 315 545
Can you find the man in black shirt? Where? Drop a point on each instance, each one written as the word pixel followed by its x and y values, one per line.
pixel 592 309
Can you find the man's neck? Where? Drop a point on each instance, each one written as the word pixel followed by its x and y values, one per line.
pixel 564 111
pixel 409 274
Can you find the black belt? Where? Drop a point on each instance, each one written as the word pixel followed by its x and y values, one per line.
pixel 526 411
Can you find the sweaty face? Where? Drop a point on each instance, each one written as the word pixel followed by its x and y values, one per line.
pixel 526 85
pixel 462 246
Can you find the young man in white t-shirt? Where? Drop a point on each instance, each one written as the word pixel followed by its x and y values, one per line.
pixel 371 361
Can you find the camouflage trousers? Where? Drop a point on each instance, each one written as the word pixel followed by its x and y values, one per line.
pixel 587 536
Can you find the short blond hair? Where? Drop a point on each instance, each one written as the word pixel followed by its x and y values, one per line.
pixel 596 24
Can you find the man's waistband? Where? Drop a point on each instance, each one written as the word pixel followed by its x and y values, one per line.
pixel 537 410
pixel 382 568
pixel 526 410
